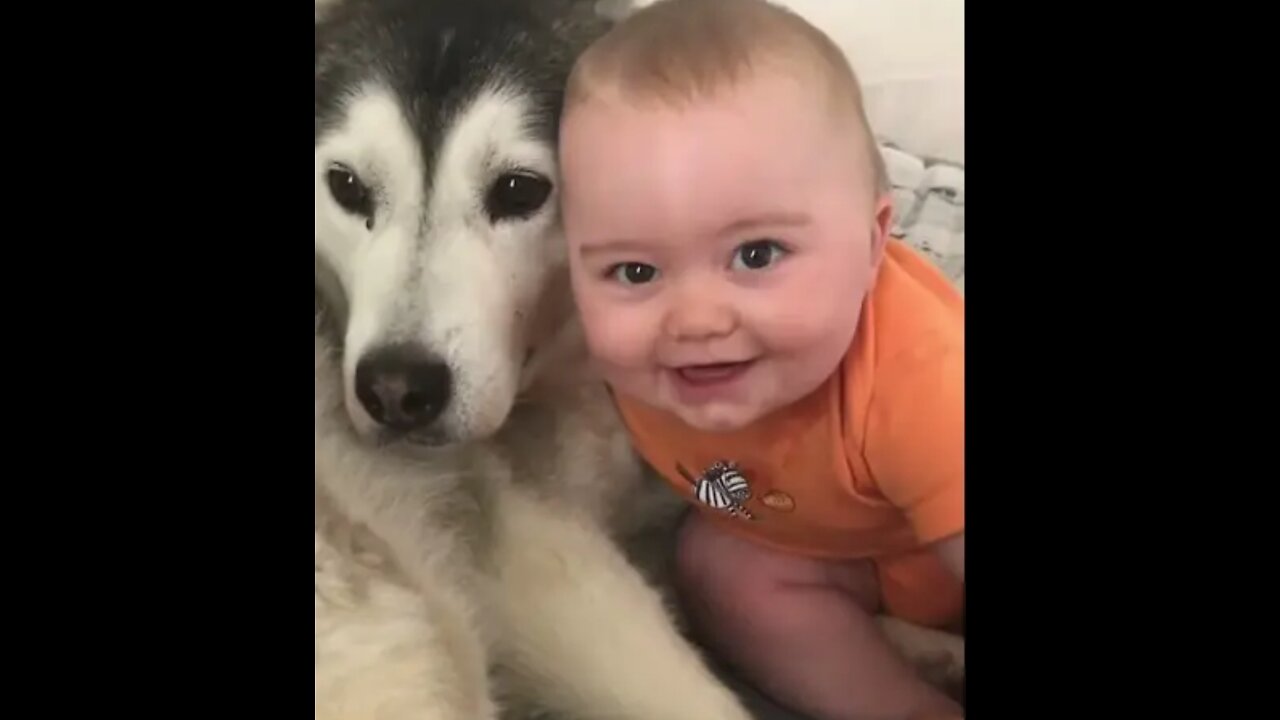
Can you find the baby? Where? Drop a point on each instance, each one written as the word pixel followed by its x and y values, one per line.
pixel 788 367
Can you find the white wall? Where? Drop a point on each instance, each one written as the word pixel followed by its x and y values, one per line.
pixel 909 55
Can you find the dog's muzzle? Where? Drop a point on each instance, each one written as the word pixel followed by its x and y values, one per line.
pixel 403 387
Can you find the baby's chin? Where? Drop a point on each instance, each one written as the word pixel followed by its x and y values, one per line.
pixel 717 417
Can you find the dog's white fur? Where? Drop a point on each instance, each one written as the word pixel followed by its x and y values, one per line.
pixel 424 557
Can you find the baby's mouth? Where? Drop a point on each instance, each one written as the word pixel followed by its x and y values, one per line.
pixel 713 373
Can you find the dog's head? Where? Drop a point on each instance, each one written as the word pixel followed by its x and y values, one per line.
pixel 437 233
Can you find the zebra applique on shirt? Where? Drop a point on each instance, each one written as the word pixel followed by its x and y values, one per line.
pixel 722 487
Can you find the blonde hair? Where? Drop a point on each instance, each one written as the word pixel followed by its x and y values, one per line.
pixel 678 51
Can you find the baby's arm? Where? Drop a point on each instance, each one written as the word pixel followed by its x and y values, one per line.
pixel 915 445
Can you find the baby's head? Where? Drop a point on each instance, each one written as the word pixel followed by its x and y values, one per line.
pixel 726 207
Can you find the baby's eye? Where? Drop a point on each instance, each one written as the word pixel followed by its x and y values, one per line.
pixel 633 273
pixel 758 254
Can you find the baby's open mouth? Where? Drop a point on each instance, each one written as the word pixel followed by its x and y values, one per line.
pixel 712 373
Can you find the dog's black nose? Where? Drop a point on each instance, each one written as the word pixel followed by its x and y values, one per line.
pixel 402 386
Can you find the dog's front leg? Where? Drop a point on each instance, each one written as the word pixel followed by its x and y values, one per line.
pixel 385 652
pixel 581 632
pixel 404 650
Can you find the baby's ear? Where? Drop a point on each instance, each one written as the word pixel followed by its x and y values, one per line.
pixel 881 227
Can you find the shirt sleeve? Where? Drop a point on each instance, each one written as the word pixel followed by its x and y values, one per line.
pixel 915 438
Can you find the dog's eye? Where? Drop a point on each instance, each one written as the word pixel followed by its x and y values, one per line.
pixel 516 195
pixel 351 194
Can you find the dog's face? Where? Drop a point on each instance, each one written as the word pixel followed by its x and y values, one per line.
pixel 436 226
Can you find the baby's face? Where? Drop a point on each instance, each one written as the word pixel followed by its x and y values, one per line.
pixel 720 252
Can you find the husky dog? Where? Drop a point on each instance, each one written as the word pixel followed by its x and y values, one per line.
pixel 475 494
pixel 473 489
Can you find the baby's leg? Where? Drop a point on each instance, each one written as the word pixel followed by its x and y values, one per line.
pixel 801 630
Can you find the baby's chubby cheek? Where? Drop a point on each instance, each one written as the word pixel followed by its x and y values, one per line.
pixel 613 342
pixel 805 321
pixel 612 338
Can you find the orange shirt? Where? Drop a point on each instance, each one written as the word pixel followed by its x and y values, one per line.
pixel 872 462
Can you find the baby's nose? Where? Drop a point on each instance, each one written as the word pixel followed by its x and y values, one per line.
pixel 699 319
